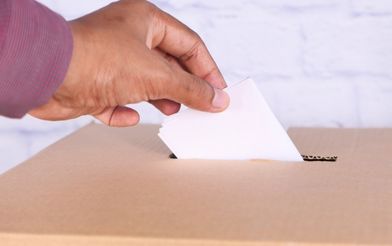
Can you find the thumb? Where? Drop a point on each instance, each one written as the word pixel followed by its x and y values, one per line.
pixel 196 93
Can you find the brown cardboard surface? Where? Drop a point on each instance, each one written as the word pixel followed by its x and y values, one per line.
pixel 105 186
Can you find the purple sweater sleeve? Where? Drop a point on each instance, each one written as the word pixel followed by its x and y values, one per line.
pixel 35 51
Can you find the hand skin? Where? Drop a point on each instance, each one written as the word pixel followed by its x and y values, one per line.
pixel 129 52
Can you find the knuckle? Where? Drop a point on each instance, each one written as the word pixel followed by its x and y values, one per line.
pixel 193 51
pixel 146 8
pixel 143 5
pixel 149 7
pixel 197 37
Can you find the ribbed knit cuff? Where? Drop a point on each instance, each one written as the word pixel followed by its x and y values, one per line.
pixel 35 51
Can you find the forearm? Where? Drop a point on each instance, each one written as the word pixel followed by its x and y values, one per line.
pixel 35 51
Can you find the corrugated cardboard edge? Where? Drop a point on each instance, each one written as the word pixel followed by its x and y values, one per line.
pixel 62 240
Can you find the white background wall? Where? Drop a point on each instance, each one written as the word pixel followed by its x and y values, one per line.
pixel 318 62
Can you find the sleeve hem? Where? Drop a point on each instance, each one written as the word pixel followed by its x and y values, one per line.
pixel 36 52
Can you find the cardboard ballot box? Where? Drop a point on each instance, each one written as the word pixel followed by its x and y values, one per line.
pixel 105 186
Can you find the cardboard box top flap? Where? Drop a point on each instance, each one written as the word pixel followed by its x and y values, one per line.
pixel 121 183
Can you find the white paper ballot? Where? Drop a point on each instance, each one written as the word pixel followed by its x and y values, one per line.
pixel 246 130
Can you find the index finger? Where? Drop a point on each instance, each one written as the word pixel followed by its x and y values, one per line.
pixel 178 40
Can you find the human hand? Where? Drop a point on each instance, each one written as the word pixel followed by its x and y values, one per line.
pixel 129 52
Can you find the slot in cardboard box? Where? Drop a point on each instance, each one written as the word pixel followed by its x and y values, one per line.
pixel 105 186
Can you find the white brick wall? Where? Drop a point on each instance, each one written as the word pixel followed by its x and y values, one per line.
pixel 318 62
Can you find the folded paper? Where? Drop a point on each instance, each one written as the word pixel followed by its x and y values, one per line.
pixel 247 129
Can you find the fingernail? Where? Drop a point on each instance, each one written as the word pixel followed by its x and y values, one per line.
pixel 221 99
